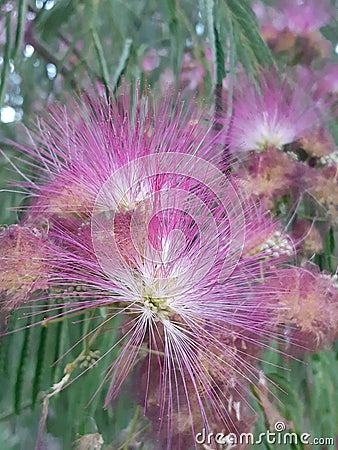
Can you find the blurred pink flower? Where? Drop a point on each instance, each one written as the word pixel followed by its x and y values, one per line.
pixel 309 301
pixel 292 27
pixel 167 80
pixel 276 113
pixel 302 16
pixel 22 269
pixel 151 60
pixel 192 73
pixel 269 175
pixel 328 80
pixel 298 16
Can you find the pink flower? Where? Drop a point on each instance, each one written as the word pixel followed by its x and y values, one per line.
pixel 167 80
pixel 77 148
pixel 298 16
pixel 308 235
pixel 269 175
pixel 328 82
pixel 276 114
pixel 144 226
pixel 292 28
pixel 305 15
pixel 22 268
pixel 193 308
pixel 151 60
pixel 309 301
pixel 321 185
pixel 193 73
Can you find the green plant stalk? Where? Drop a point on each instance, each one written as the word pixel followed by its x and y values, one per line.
pixel 22 8
pixel 102 61
pixel 5 67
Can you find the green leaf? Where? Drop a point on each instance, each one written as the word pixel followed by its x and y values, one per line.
pixel 102 61
pixel 122 63
pixel 41 353
pixel 247 23
pixel 22 8
pixel 207 7
pixel 62 343
pixel 21 372
pixel 329 249
pixel 50 22
pixel 176 37
pixel 58 341
pixel 6 57
pixel 252 50
pixel 220 59
pixel 220 73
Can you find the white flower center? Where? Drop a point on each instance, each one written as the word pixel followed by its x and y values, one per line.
pixel 157 303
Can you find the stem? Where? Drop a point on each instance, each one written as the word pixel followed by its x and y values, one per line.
pixel 20 26
pixel 5 67
pixel 132 428
pixel 102 61
pixel 47 322
pixel 86 342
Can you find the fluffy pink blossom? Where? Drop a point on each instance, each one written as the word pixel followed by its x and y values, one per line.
pixel 303 16
pixel 310 301
pixel 328 81
pixel 150 230
pixel 151 60
pixel 194 310
pixel 192 74
pixel 78 147
pixel 298 16
pixel 292 28
pixel 22 267
pixel 267 180
pixel 275 113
